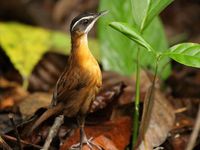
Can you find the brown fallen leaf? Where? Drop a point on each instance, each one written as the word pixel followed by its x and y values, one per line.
pixel 7 102
pixel 46 72
pixel 102 141
pixel 12 93
pixel 102 108
pixel 118 131
pixel 154 130
pixel 106 96
pixel 33 102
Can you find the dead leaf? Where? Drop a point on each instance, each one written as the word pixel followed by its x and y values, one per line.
pixel 103 142
pixel 7 102
pixel 33 102
pixel 106 96
pixel 161 121
pixel 118 131
pixel 12 93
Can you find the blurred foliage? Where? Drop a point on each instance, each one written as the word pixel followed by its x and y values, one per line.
pixel 25 45
pixel 118 53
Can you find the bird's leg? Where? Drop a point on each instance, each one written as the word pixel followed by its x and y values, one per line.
pixel 83 137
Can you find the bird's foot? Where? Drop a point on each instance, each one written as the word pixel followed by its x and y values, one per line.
pixel 88 142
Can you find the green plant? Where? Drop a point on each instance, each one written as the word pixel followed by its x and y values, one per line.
pixel 114 46
pixel 116 51
pixel 185 53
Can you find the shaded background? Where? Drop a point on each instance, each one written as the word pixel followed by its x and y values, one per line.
pixel 181 22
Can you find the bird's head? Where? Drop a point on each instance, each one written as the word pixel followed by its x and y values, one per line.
pixel 83 23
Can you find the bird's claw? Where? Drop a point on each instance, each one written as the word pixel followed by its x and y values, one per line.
pixel 88 142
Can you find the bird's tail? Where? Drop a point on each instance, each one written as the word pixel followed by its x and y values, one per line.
pixel 51 111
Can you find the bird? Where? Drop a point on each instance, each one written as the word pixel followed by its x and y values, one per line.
pixel 81 80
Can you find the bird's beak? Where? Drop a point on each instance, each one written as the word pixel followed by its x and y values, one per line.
pixel 102 13
pixel 98 15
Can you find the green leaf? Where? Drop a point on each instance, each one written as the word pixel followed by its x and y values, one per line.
pixel 139 11
pixel 24 45
pixel 155 8
pixel 186 53
pixel 132 33
pixel 118 53
pixel 144 11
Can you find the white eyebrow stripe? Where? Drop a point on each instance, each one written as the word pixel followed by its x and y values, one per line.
pixel 88 17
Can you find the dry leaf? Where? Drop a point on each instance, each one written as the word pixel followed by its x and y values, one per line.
pixel 106 96
pixel 103 142
pixel 161 122
pixel 33 102
pixel 118 131
pixel 12 93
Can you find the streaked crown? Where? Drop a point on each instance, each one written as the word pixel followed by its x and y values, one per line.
pixel 84 22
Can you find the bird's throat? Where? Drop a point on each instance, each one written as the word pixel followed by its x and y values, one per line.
pixel 80 50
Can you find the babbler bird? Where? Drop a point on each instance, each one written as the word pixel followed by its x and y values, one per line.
pixel 81 80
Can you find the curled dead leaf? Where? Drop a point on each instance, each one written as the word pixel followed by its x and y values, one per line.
pixel 106 96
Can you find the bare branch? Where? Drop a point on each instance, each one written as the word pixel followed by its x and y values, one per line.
pixel 22 141
pixel 53 131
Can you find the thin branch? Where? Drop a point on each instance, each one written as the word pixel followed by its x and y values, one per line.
pixel 22 141
pixel 195 132
pixel 53 131
pixel 16 131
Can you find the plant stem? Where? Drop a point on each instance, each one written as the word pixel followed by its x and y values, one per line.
pixel 137 101
pixel 137 98
pixel 25 83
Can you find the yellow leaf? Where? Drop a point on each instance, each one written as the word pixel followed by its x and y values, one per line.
pixel 24 45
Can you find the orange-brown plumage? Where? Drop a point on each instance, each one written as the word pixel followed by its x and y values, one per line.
pixel 80 81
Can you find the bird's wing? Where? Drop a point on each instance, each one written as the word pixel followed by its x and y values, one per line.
pixel 68 84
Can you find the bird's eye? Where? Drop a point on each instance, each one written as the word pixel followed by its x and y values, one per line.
pixel 85 21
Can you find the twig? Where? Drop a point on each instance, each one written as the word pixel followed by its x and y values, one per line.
pixel 4 144
pixel 180 110
pixel 22 141
pixel 195 132
pixel 16 131
pixel 53 131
